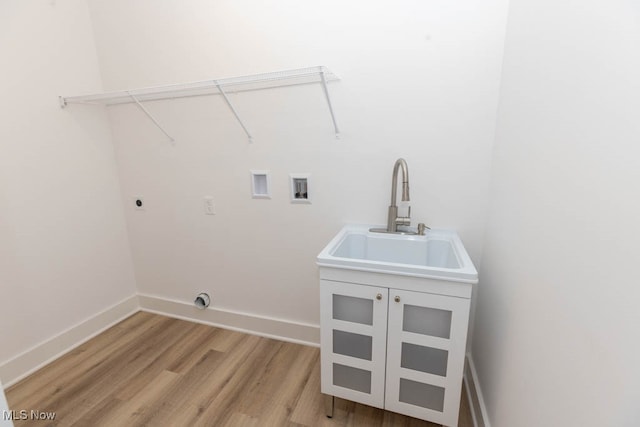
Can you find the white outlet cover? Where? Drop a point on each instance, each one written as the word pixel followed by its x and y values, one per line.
pixel 209 207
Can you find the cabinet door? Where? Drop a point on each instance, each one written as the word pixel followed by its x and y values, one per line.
pixel 426 341
pixel 353 332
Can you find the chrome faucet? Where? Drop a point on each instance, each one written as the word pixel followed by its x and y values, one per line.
pixel 393 220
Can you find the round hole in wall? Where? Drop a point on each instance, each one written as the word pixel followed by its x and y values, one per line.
pixel 202 301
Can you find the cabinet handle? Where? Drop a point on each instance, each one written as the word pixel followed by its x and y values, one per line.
pixel 379 297
pixel 397 299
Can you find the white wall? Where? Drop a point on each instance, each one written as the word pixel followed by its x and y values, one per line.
pixel 556 337
pixel 555 341
pixel 419 81
pixel 64 253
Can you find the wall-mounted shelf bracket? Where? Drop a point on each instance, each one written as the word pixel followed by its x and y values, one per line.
pixel 233 110
pixel 326 94
pixel 300 76
pixel 144 110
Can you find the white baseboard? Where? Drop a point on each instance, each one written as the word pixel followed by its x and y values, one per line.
pixel 284 330
pixel 29 361
pixel 474 394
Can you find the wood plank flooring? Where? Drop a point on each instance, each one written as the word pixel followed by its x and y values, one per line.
pixel 151 370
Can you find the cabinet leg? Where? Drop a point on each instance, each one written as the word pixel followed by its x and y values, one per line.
pixel 328 405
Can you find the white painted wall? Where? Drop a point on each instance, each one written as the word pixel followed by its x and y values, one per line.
pixel 64 252
pixel 555 341
pixel 419 80
pixel 556 337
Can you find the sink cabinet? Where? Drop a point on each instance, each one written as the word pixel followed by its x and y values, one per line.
pixel 394 342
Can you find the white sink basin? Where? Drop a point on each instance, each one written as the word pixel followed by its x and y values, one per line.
pixel 438 255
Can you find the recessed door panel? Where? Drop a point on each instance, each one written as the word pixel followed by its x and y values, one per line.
pixel 420 394
pixel 353 309
pixel 426 321
pixel 352 378
pixel 354 345
pixel 424 359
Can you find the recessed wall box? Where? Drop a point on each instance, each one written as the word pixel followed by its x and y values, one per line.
pixel 260 184
pixel 300 184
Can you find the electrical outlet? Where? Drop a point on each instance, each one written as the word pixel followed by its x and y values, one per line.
pixel 138 203
pixel 209 207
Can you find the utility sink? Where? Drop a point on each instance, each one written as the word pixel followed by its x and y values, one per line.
pixel 439 254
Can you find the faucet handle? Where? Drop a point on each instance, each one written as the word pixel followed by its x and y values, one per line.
pixel 403 220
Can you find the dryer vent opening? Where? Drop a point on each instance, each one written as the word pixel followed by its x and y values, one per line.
pixel 202 301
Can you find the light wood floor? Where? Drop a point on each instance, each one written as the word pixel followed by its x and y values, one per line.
pixel 158 371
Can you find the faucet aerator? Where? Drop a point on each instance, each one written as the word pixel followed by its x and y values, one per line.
pixel 405 193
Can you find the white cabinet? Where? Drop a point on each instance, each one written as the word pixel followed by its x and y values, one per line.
pixel 398 348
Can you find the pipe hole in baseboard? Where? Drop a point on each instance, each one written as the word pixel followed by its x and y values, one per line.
pixel 202 301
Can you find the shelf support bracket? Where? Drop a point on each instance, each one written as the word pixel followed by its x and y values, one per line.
pixel 144 110
pixel 233 110
pixel 326 94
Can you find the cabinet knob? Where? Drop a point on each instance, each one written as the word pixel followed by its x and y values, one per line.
pixel 379 297
pixel 397 299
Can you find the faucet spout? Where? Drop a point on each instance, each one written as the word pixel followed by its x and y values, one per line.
pixel 400 164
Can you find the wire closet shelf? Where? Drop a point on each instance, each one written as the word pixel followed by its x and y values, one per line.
pixel 300 76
